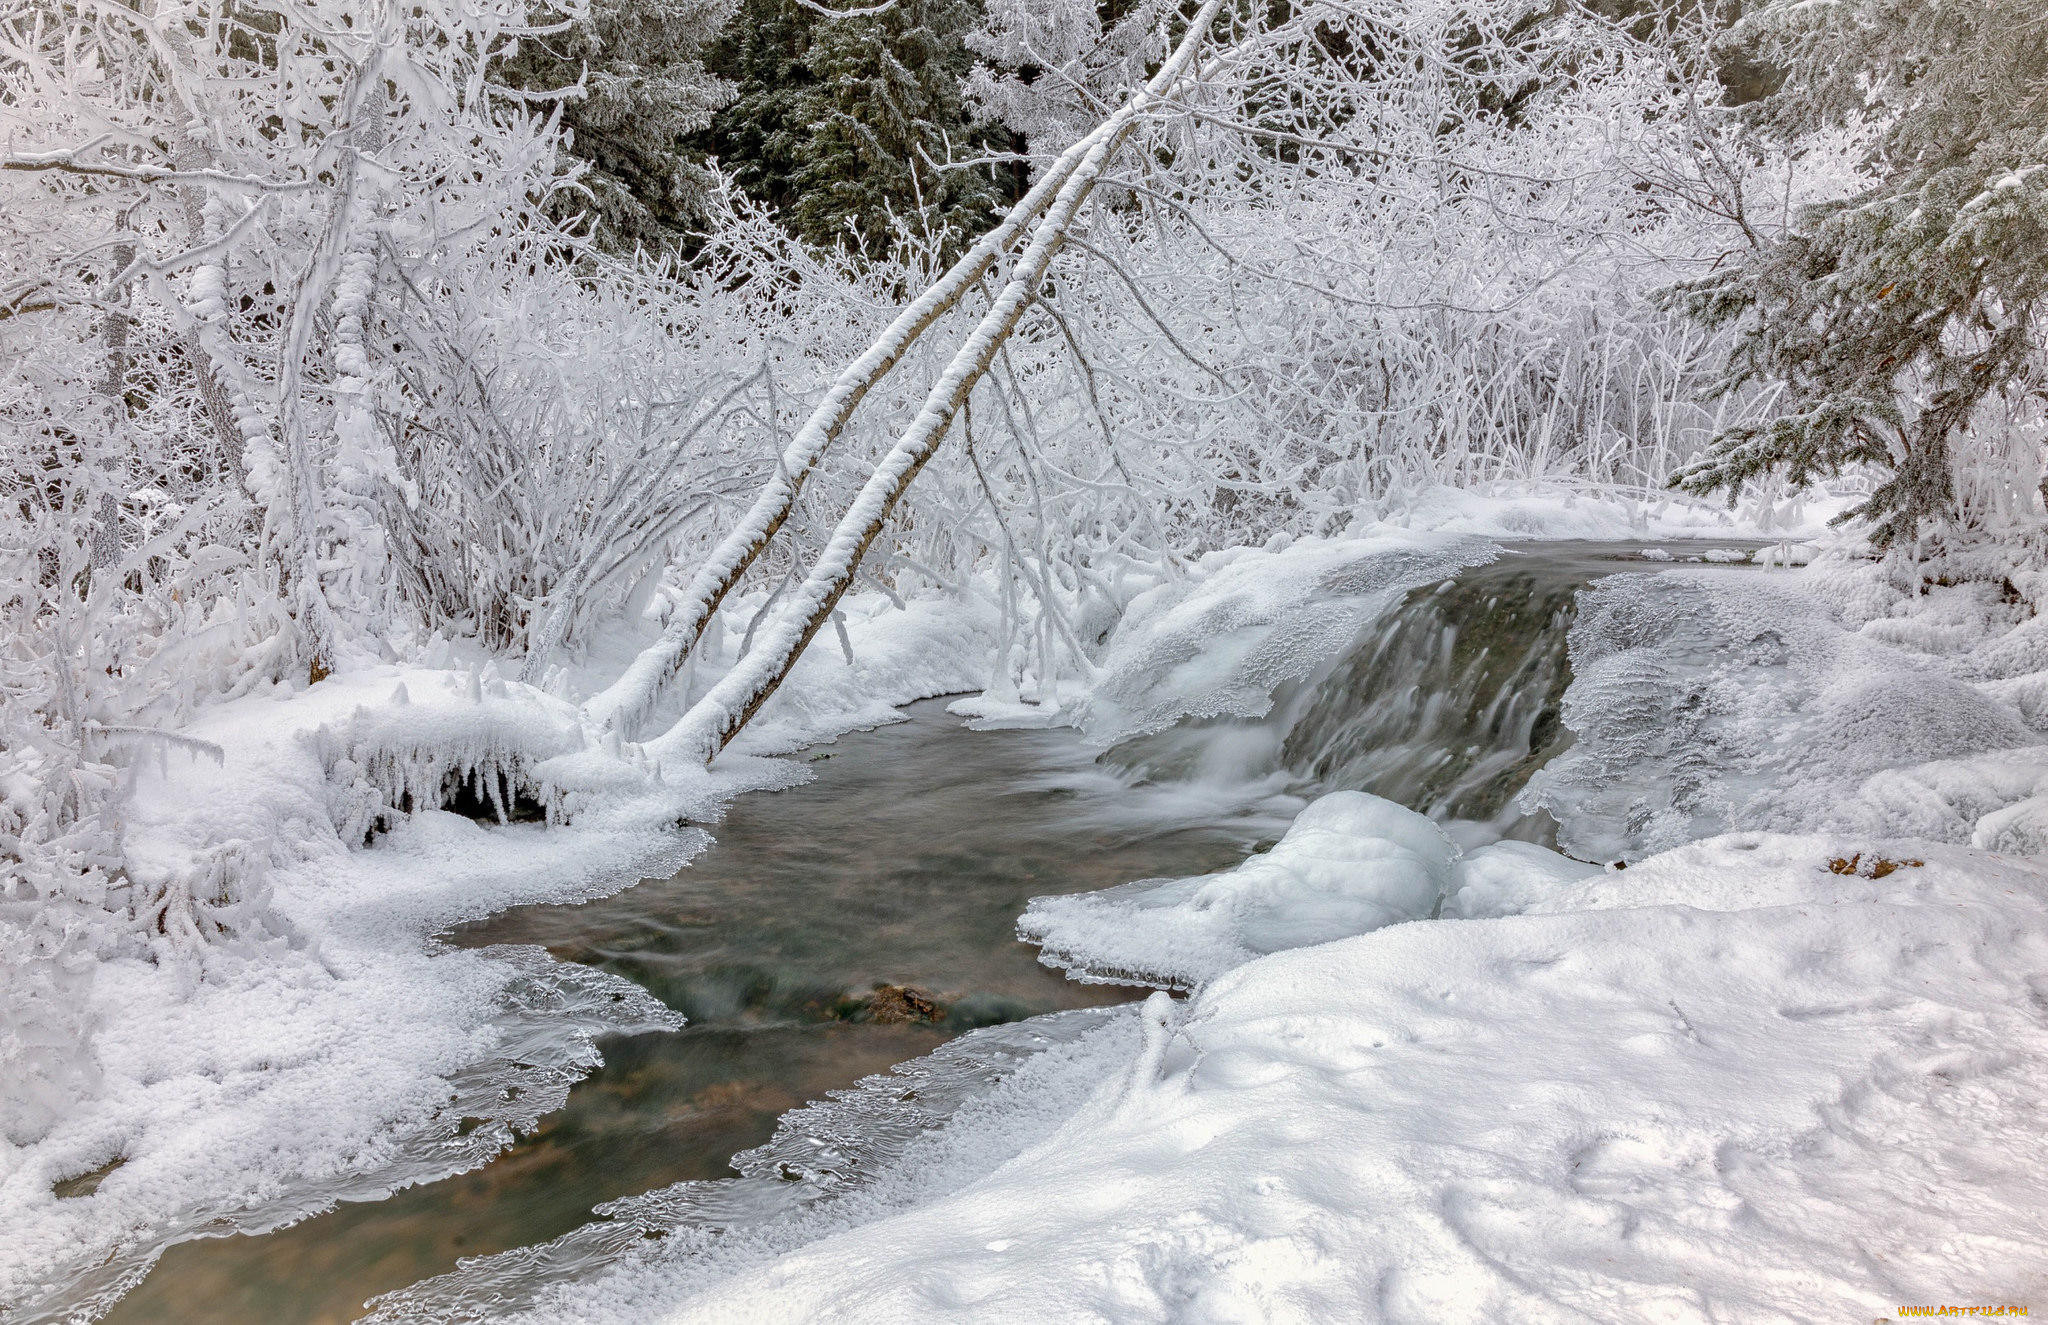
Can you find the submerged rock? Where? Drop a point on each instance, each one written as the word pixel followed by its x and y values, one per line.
pixel 896 1005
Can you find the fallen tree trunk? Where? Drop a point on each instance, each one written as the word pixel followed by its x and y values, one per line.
pixel 625 703
pixel 716 718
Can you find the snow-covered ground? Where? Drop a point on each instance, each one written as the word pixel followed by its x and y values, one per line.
pixel 1736 1081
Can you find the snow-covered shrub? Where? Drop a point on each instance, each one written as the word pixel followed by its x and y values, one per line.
pixel 559 436
pixel 481 746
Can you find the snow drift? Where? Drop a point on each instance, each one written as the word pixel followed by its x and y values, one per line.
pixel 1729 1083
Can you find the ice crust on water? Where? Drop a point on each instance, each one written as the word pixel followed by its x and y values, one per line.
pixel 1351 863
pixel 1702 704
pixel 1219 643
pixel 882 1146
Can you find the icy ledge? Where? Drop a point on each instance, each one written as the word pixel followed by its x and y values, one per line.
pixel 1756 1078
pixel 1350 863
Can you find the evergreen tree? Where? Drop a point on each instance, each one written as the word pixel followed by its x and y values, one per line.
pixel 1890 317
pixel 645 93
pixel 839 121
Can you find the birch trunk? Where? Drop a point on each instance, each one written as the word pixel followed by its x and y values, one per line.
pixel 714 720
pixel 625 703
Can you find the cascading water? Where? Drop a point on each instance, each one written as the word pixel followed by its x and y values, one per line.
pixel 1447 702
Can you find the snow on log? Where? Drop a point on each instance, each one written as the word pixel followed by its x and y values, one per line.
pixel 713 721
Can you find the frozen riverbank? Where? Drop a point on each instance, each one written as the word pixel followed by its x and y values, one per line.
pixel 342 1054
pixel 1733 1082
pixel 206 1088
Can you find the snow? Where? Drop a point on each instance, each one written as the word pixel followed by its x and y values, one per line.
pixel 1828 697
pixel 1728 1083
pixel 327 1050
pixel 1561 510
pixel 1349 863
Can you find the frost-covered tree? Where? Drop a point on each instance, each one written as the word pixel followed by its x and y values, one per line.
pixel 1049 67
pixel 639 92
pixel 225 231
pixel 1902 318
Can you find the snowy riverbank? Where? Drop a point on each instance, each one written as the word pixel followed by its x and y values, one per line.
pixel 1729 1083
pixel 340 1053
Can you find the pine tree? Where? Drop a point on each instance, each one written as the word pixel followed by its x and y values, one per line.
pixel 840 122
pixel 1892 316
pixel 645 92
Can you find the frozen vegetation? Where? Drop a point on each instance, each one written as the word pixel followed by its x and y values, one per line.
pixel 432 480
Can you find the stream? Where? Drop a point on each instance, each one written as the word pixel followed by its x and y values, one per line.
pixel 904 863
pixel 869 916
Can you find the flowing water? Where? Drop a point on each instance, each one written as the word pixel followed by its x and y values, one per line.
pixel 1446 703
pixel 904 864
pixel 868 916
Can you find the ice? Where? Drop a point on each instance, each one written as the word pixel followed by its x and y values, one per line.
pixel 274 1140
pixel 885 1145
pixel 1705 703
pixel 1350 863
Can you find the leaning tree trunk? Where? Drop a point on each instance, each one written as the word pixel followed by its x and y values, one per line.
pixel 715 719
pixel 624 704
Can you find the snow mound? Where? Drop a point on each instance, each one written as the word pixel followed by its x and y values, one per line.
pixel 1704 704
pixel 1509 878
pixel 1248 620
pixel 1729 1083
pixel 1350 863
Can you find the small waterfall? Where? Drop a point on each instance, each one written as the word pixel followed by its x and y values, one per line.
pixel 1451 701
pixel 1446 703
